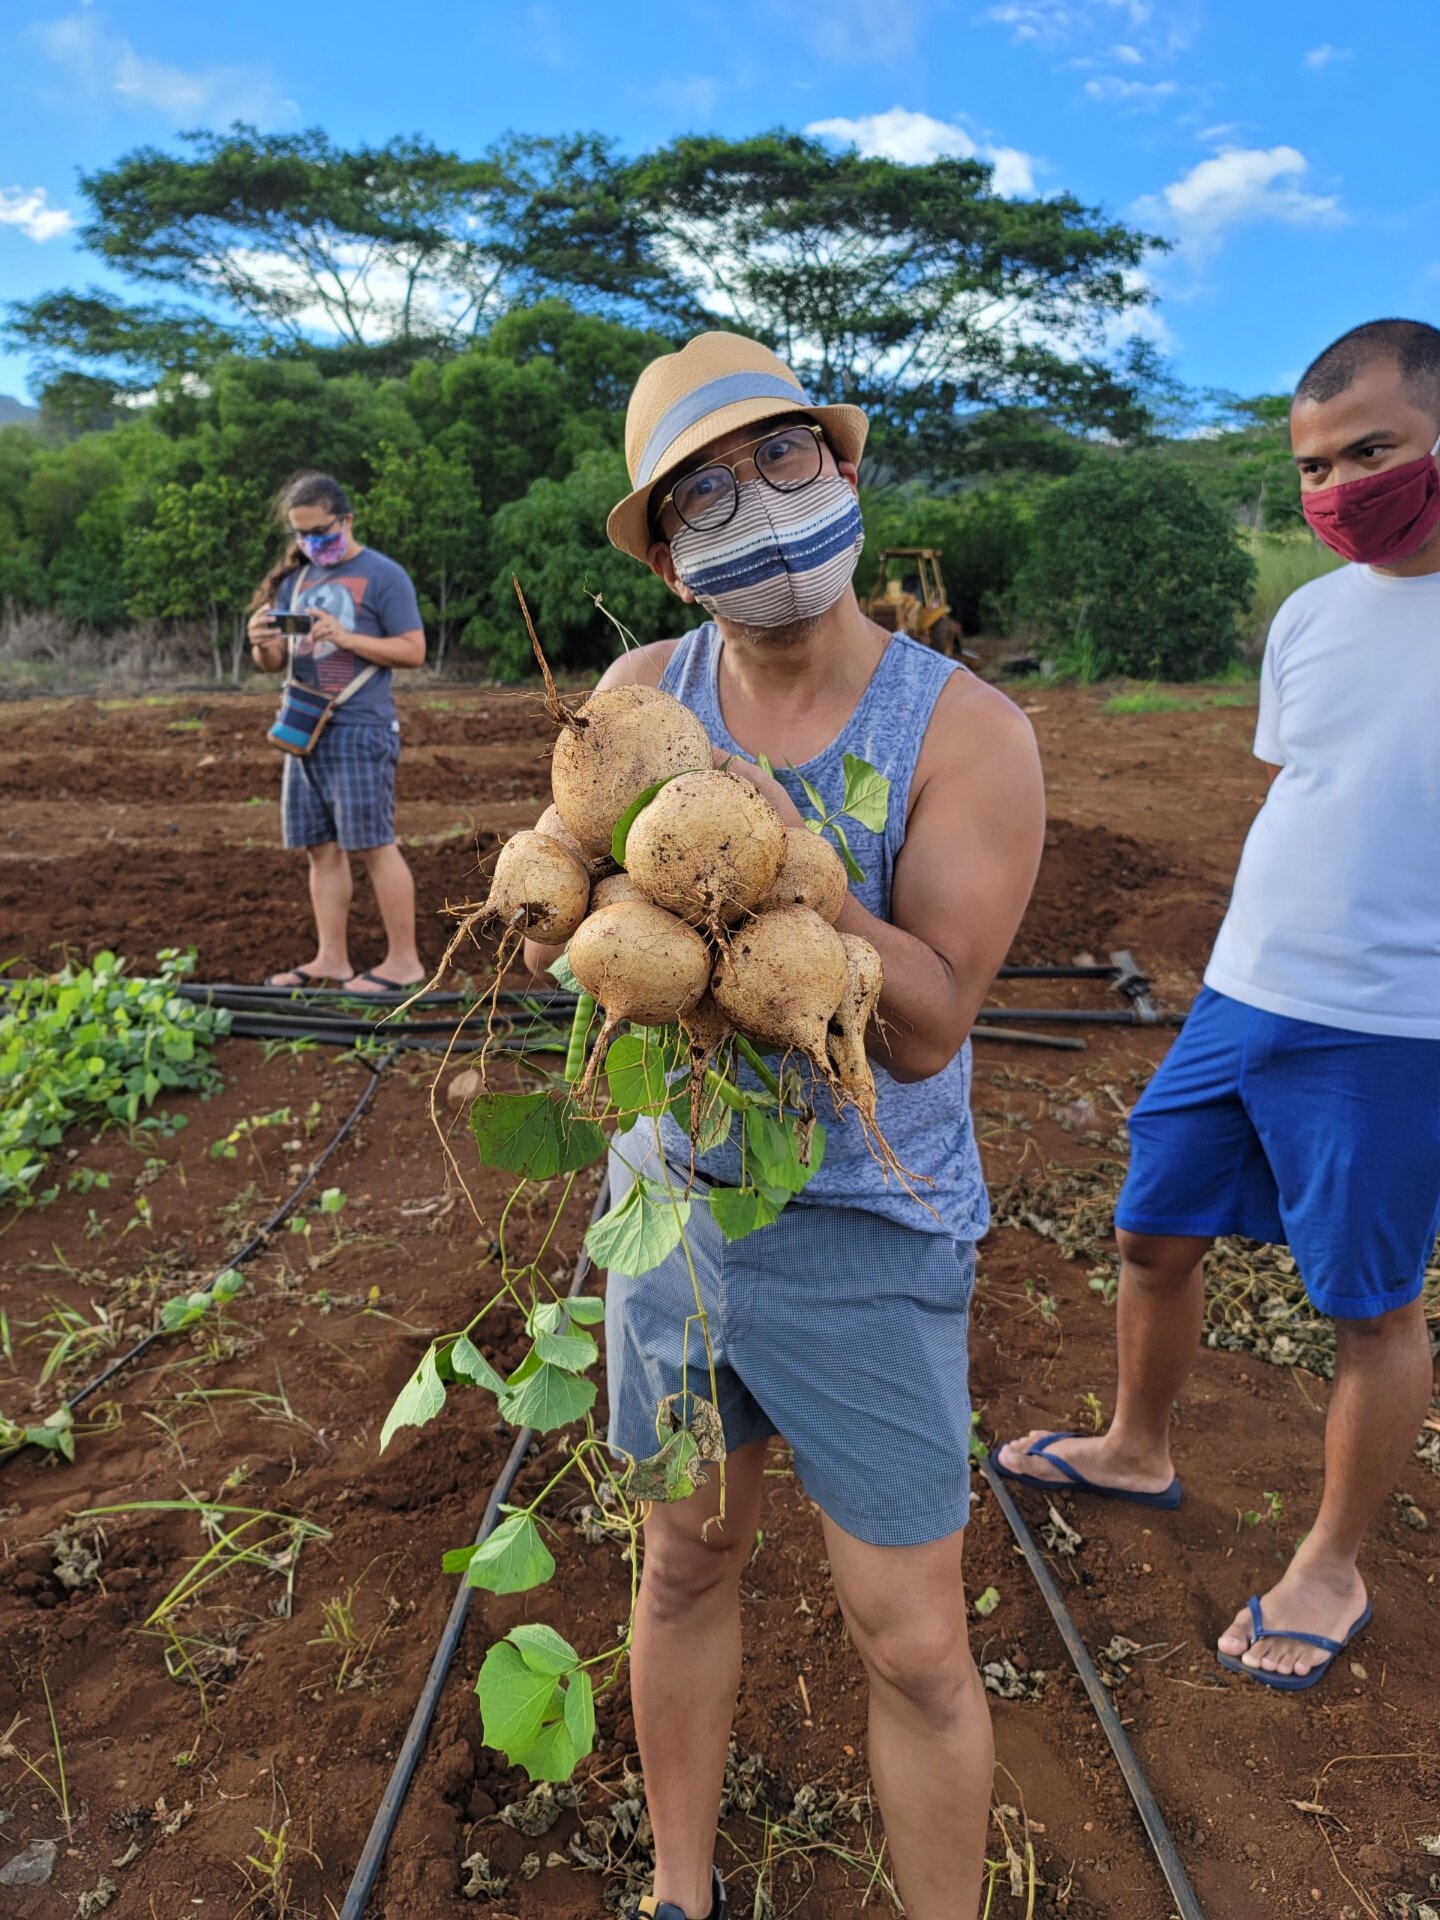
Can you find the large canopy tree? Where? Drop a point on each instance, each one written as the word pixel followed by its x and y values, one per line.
pixel 917 292
pixel 969 323
pixel 289 242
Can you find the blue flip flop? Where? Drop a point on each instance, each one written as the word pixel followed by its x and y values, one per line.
pixel 1170 1498
pixel 1288 1682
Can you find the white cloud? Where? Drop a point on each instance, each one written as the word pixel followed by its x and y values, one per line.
pixel 1324 56
pixel 1128 56
pixel 103 64
pixel 913 138
pixel 1238 185
pixel 1113 91
pixel 27 209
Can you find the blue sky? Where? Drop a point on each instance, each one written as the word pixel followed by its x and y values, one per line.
pixel 1285 150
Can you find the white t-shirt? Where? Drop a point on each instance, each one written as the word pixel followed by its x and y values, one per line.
pixel 1335 916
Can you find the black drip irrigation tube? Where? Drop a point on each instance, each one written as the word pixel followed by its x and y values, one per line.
pixel 251 1247
pixel 1146 1805
pixel 382 1828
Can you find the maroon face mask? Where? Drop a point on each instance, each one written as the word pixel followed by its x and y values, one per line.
pixel 1381 516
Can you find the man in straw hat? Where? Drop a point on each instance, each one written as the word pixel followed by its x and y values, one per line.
pixel 844 1324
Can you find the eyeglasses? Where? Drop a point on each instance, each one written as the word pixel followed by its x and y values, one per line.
pixel 317 533
pixel 786 461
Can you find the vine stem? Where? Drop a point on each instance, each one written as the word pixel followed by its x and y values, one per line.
pixel 579 1034
pixel 756 1064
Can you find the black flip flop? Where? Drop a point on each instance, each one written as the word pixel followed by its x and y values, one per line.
pixel 385 985
pixel 305 980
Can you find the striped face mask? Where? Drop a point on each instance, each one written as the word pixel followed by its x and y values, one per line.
pixel 784 557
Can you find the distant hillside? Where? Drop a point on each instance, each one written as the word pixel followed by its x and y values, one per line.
pixel 14 413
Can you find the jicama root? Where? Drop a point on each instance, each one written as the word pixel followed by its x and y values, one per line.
pixel 845 1042
pixel 779 980
pixel 813 876
pixel 640 963
pixel 621 741
pixel 708 847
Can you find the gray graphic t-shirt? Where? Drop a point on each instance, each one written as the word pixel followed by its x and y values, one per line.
pixel 368 594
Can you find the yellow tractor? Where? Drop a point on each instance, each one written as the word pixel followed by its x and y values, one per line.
pixel 909 597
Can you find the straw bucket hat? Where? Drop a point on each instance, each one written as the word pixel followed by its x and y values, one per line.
pixel 682 401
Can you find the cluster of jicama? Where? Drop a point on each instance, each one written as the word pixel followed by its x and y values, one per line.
pixel 720 920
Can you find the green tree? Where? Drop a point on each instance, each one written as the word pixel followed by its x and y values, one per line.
pixel 199 559
pixel 554 540
pixel 268 418
pixel 916 291
pixel 1242 461
pixel 296 237
pixel 1132 571
pixel 423 509
pixel 127 348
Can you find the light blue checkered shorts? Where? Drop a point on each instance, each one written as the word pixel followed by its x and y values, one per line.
pixel 344 791
pixel 843 1331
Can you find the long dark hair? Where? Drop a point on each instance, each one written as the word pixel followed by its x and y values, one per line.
pixel 300 490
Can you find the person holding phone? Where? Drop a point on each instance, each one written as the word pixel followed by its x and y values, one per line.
pixel 329 610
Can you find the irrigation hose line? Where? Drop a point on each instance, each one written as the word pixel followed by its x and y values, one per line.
pixel 1146 1805
pixel 382 1828
pixel 251 1247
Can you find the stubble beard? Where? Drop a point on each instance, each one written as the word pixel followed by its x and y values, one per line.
pixel 772 639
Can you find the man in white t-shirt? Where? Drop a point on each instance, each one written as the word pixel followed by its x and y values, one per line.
pixel 1301 1102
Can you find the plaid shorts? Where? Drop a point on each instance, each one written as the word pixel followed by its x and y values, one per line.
pixel 344 791
pixel 840 1329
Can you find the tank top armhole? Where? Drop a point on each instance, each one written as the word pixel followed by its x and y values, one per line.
pixel 935 670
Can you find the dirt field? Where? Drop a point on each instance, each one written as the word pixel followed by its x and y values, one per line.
pixel 136 826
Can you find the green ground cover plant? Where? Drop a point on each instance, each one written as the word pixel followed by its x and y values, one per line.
pixel 97 1045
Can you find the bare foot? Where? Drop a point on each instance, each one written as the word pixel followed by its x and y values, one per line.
pixel 1096 1456
pixel 1327 1601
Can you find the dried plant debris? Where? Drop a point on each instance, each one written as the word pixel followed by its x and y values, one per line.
pixel 97 1899
pixel 1004 1678
pixel 77 1554
pixel 1255 1300
pixel 537 1813
pixel 1116 1661
pixel 1059 1535
pixel 482 1881
pixel 617 1840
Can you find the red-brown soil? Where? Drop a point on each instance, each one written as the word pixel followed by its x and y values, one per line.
pixel 121 826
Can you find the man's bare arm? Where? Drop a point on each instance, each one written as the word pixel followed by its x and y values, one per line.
pixel 963 878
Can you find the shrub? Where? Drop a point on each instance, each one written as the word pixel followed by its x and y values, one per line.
pixel 1131 571
pixel 554 539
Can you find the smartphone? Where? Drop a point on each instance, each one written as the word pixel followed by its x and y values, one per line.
pixel 294 623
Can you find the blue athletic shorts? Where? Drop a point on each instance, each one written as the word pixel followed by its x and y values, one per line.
pixel 1315 1137
pixel 342 792
pixel 845 1332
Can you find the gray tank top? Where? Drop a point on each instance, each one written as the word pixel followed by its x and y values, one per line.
pixel 927 1122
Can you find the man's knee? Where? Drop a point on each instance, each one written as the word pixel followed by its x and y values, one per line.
pixel 682 1572
pixel 1158 1258
pixel 1401 1325
pixel 927 1662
